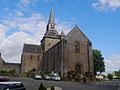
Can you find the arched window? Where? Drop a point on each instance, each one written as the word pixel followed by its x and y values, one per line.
pixel 38 58
pixel 77 47
pixel 31 57
pixel 49 44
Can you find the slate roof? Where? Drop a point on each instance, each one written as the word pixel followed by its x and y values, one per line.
pixel 52 33
pixel 51 18
pixel 30 48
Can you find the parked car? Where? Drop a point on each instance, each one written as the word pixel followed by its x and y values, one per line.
pixel 12 86
pixel 46 77
pixel 37 77
pixel 56 78
pixel 2 79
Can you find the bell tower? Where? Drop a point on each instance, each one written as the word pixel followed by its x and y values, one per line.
pixel 51 37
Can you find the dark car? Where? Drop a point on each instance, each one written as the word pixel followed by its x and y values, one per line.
pixel 12 86
pixel 2 79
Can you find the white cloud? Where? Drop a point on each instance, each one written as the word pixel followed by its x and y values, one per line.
pixel 26 2
pixel 20 13
pixel 65 27
pixel 47 1
pixel 30 30
pixel 106 4
pixel 30 24
pixel 113 63
pixel 3 29
pixel 12 46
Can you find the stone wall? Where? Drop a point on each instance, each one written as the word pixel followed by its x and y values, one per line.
pixel 63 56
pixel 1 62
pixel 12 66
pixel 52 58
pixel 83 58
pixel 9 66
pixel 31 61
pixel 49 42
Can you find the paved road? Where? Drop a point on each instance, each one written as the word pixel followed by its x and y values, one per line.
pixel 31 84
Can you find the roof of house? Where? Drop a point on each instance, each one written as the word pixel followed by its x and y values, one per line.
pixel 30 48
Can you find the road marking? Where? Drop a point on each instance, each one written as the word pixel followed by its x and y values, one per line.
pixel 105 84
pixel 118 84
pixel 119 88
pixel 24 83
pixel 28 85
pixel 114 84
pixel 109 84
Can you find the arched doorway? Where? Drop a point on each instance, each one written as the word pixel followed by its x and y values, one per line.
pixel 78 69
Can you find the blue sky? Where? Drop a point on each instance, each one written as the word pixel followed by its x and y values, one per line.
pixel 24 21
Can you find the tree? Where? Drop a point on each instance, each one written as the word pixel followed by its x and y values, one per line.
pixel 117 73
pixel 99 64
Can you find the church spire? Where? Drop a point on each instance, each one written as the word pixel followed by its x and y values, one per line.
pixel 51 18
pixel 51 30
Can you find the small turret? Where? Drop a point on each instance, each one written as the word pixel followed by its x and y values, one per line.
pixel 62 35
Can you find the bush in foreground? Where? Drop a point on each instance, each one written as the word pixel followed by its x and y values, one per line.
pixel 110 76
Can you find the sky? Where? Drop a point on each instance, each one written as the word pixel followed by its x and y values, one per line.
pixel 24 21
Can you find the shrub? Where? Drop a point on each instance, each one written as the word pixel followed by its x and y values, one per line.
pixel 3 72
pixel 30 73
pixel 110 76
pixel 12 72
pixel 71 75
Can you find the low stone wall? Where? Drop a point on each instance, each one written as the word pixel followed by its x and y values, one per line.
pixel 55 88
pixel 12 66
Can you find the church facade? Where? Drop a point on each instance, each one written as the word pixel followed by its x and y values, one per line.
pixel 59 52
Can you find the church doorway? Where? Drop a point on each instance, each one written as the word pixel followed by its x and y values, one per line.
pixel 78 68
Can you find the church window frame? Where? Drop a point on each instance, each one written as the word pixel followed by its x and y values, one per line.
pixel 77 47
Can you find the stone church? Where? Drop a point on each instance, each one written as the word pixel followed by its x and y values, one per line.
pixel 59 52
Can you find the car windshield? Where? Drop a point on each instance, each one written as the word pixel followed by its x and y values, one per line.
pixel 1 87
